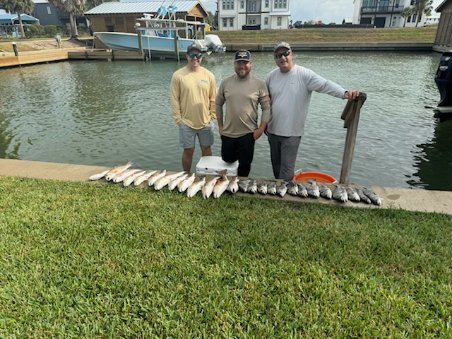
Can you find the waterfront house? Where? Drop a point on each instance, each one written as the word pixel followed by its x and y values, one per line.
pixel 9 23
pixel 443 40
pixel 121 16
pixel 253 14
pixel 385 13
pixel 49 14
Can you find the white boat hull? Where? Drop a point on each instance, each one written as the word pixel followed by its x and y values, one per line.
pixel 155 46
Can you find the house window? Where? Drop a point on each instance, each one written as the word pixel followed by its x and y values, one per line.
pixel 225 22
pixel 228 4
pixel 279 21
pixel 231 22
pixel 48 10
pixel 280 3
pixel 242 4
pixel 251 21
pixel 267 3
pixel 266 21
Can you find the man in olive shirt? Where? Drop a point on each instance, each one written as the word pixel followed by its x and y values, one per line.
pixel 193 89
pixel 238 127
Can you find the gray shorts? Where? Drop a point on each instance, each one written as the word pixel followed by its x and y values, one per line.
pixel 187 135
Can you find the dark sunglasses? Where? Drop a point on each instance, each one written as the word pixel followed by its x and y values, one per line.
pixel 195 55
pixel 282 54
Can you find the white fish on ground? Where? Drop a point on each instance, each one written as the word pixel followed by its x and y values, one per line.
pixel 172 185
pixel 132 178
pixel 124 175
pixel 339 193
pixel 313 189
pixel 186 183
pixel 98 176
pixel 271 188
pixel 281 189
pixel 162 182
pixel 207 189
pixel 243 185
pixel 325 191
pixel 292 188
pixel 233 186
pixel 302 191
pixel 362 196
pixel 374 198
pixel 252 188
pixel 262 188
pixel 352 194
pixel 152 180
pixel 142 178
pixel 221 186
pixel 117 170
pixel 196 187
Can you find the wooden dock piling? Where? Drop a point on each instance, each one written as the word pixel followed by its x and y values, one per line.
pixel 350 115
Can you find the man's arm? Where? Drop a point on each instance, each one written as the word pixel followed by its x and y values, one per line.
pixel 265 107
pixel 219 102
pixel 175 100
pixel 212 96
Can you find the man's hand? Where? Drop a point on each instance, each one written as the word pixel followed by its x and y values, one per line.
pixel 257 133
pixel 351 95
pixel 220 130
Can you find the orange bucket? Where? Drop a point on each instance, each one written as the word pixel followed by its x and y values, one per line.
pixel 317 176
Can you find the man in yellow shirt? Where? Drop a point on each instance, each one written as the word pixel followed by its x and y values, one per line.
pixel 193 90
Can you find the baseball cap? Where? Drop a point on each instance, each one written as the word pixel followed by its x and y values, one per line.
pixel 194 46
pixel 282 44
pixel 242 55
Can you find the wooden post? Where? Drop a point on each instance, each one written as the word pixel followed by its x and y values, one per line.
pixel 140 43
pixel 176 46
pixel 350 115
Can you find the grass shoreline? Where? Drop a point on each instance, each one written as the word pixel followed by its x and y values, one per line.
pixel 89 259
pixel 294 36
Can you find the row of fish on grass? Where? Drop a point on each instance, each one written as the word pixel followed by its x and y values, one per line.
pixel 217 185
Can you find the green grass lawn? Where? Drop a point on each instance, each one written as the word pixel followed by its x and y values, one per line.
pixel 99 260
pixel 332 35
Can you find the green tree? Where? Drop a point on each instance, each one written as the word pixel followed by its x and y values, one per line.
pixel 19 7
pixel 423 7
pixel 407 11
pixel 72 8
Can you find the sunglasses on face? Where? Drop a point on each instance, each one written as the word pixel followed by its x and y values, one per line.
pixel 195 55
pixel 282 54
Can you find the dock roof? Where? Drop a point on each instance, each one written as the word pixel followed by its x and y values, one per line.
pixel 140 6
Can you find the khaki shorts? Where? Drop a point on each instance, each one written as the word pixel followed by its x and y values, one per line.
pixel 187 135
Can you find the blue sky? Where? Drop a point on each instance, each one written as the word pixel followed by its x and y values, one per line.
pixel 325 10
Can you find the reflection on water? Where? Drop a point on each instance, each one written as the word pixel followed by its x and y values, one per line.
pixel 433 160
pixel 104 113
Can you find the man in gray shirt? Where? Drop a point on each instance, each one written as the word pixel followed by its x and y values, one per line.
pixel 290 87
pixel 239 128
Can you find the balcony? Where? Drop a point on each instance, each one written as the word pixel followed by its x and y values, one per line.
pixel 381 10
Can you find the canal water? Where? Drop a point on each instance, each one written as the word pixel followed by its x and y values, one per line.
pixel 105 113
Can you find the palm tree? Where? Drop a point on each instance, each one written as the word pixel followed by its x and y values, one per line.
pixel 423 7
pixel 19 7
pixel 72 8
pixel 407 11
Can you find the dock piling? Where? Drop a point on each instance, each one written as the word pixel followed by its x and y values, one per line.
pixel 350 115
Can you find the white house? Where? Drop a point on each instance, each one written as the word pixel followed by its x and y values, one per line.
pixel 253 14
pixel 385 13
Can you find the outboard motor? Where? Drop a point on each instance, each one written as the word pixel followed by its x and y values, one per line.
pixel 443 80
pixel 214 43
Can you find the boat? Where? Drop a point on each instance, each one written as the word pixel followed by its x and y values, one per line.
pixel 162 36
pixel 443 80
